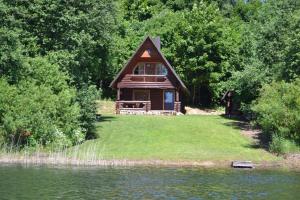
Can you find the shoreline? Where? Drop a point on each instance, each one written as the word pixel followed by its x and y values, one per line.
pixel 42 161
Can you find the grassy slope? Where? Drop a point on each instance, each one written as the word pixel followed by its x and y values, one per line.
pixel 171 138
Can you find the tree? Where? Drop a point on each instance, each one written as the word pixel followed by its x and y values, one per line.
pixel 40 108
pixel 278 110
pixel 79 29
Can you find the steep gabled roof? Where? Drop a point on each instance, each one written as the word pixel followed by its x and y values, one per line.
pixel 163 57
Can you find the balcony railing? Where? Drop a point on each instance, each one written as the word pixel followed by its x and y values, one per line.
pixel 145 81
pixel 147 78
pixel 133 105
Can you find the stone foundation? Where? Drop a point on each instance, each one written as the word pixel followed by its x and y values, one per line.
pixel 151 112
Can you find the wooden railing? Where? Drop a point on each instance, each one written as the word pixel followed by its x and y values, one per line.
pixel 133 105
pixel 147 78
pixel 145 81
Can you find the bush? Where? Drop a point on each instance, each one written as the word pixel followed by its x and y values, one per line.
pixel 33 114
pixel 278 111
pixel 86 97
pixel 281 146
pixel 41 108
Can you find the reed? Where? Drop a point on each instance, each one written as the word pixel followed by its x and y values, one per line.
pixel 51 155
pixel 75 156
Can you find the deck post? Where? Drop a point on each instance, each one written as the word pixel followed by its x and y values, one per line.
pixel 117 107
pixel 177 103
pixel 118 94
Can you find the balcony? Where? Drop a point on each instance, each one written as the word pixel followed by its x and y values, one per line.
pixel 145 81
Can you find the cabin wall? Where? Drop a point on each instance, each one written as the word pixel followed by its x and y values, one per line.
pixel 156 97
pixel 126 94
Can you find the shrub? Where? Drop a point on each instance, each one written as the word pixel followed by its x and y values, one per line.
pixel 39 106
pixel 34 114
pixel 280 145
pixel 278 111
pixel 86 97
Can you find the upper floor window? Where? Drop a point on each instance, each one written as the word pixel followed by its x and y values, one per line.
pixel 161 69
pixel 139 69
pixel 150 69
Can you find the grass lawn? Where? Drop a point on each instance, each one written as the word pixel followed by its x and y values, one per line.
pixel 172 138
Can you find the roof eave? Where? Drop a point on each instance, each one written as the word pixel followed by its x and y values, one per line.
pixel 113 83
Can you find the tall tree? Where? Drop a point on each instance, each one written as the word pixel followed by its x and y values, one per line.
pixel 76 33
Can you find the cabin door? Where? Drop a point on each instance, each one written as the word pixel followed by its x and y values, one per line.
pixel 168 100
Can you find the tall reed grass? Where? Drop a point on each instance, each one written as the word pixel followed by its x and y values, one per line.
pixel 51 155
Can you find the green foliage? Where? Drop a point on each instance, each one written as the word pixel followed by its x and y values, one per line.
pixel 11 51
pixel 86 97
pixel 278 110
pixel 267 52
pixel 79 29
pixel 41 107
pixel 278 24
pixel 281 146
pixel 47 48
pixel 33 114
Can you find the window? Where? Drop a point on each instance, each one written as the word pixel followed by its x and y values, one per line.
pixel 139 69
pixel 161 69
pixel 150 69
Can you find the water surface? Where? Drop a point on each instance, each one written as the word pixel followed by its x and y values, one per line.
pixel 17 182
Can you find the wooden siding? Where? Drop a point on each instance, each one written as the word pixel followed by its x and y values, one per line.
pixel 126 94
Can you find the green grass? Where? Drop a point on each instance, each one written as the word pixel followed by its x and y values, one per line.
pixel 172 138
pixel 106 107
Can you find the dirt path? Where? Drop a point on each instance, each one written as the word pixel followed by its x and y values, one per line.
pixel 198 111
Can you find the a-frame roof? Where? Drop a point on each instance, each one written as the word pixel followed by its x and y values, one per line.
pixel 163 57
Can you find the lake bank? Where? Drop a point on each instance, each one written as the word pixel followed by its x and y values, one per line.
pixel 289 164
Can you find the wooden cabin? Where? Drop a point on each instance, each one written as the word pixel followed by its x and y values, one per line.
pixel 148 84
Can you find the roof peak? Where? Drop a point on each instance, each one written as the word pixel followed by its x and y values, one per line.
pixel 157 46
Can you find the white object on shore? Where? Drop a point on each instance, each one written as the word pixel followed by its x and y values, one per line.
pixel 242 164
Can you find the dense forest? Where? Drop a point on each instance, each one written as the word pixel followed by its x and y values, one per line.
pixel 57 56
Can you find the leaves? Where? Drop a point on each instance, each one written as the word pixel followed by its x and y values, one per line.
pixel 278 109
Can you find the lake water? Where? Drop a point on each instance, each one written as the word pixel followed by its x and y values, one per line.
pixel 17 182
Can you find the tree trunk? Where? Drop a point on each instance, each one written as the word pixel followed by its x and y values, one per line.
pixel 194 94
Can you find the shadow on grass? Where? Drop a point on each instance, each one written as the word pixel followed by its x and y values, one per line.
pixel 94 134
pixel 261 141
pixel 101 118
